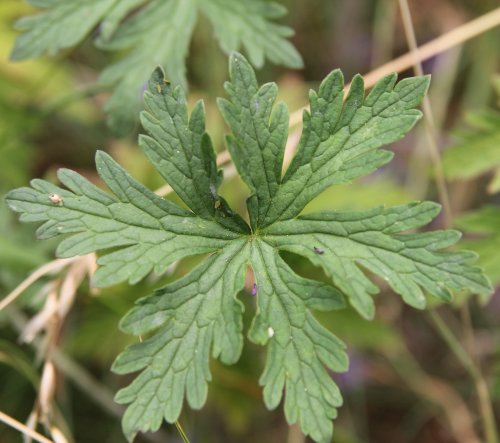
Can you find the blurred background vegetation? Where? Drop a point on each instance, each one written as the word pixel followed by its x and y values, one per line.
pixel 405 384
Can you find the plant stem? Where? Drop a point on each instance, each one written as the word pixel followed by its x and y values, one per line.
pixel 473 370
pixel 430 49
pixel 455 346
pixel 184 437
pixel 467 360
pixel 436 391
pixel 428 116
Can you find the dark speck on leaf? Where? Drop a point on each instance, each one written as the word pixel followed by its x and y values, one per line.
pixel 254 289
pixel 318 250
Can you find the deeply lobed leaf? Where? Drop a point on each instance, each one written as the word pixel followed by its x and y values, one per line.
pixel 341 141
pixel 159 34
pixel 249 25
pixel 182 151
pixel 259 135
pixel 199 314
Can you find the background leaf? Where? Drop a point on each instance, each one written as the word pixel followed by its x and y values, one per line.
pixel 483 227
pixel 478 150
pixel 155 32
pixel 63 25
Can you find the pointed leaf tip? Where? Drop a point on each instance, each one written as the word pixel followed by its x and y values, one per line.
pixel 158 83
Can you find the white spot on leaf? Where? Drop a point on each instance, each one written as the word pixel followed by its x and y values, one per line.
pixel 56 199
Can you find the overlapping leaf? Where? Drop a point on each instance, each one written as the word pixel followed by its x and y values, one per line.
pixel 483 226
pixel 477 150
pixel 199 314
pixel 159 34
pixel 154 32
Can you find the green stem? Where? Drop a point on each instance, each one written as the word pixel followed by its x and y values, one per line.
pixel 467 362
pixel 454 345
pixel 183 435
pixel 485 405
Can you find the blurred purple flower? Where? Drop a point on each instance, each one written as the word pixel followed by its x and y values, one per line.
pixel 355 375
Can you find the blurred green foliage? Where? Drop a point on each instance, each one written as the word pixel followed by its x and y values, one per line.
pixel 478 151
pixel 484 225
pixel 151 33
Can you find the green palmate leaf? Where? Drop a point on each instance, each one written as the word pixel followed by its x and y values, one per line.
pixel 258 142
pixel 158 33
pixel 199 315
pixel 478 150
pixel 340 141
pixel 182 152
pixel 115 16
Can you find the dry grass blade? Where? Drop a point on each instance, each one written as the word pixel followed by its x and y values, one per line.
pixel 31 423
pixel 72 280
pixel 440 44
pixel 47 268
pixel 433 148
pixel 47 388
pixel 473 367
pixel 57 435
pixel 41 319
pixel 59 295
pixel 21 427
